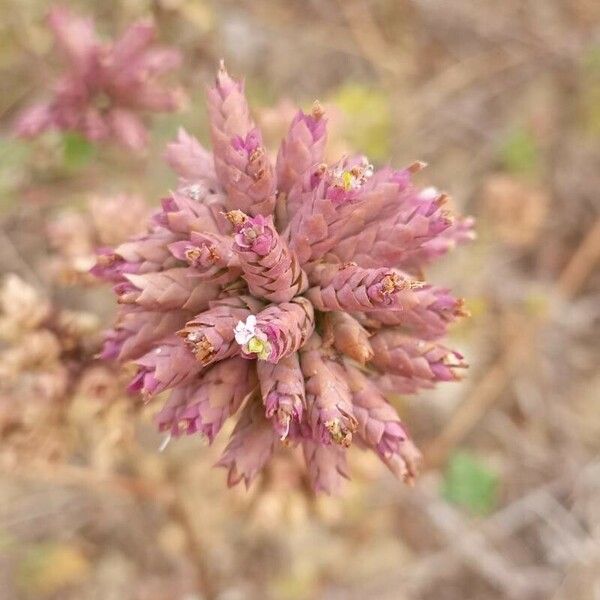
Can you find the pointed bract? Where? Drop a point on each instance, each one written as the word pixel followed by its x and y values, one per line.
pixel 205 404
pixel 282 389
pixel 250 447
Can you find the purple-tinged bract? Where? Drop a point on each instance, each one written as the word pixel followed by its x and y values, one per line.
pixel 291 292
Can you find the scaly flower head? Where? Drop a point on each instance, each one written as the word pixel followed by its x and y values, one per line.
pixel 293 290
pixel 107 87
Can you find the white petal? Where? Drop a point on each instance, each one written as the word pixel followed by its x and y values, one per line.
pixel 241 333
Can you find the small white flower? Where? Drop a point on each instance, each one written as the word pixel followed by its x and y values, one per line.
pixel 245 331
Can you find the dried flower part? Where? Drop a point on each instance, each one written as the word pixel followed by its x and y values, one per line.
pixel 270 269
pixel 379 426
pixel 22 308
pixel 413 358
pixel 241 161
pixel 349 287
pixel 38 349
pixel 327 467
pixel 279 330
pixel 117 218
pixel 282 389
pixel 167 290
pixel 210 335
pixel 250 446
pixel 302 148
pixel 106 87
pixel 330 416
pixel 98 383
pixel 204 405
pixel 168 365
pixel 347 336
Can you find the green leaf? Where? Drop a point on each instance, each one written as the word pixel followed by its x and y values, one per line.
pixel 519 153
pixel 469 483
pixel 77 151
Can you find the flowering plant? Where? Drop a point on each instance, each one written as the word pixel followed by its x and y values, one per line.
pixel 290 292
pixel 106 86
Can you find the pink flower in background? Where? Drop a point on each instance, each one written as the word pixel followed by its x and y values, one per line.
pixel 289 291
pixel 107 87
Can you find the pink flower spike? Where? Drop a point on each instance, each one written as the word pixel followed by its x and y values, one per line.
pixel 302 148
pixel 282 388
pixel 107 90
pixel 269 267
pixel 168 365
pixel 352 288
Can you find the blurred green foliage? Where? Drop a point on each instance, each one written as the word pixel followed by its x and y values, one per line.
pixel 469 483
pixel 519 152
pixel 368 119
pixel 77 151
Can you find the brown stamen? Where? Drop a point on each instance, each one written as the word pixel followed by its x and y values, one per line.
pixel 213 256
pixel 317 110
pixel 461 310
pixel 203 350
pixel 391 283
pixel 106 260
pixel 193 254
pixel 236 217
pixel 417 166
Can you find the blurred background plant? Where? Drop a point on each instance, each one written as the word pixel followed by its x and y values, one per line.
pixel 502 101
